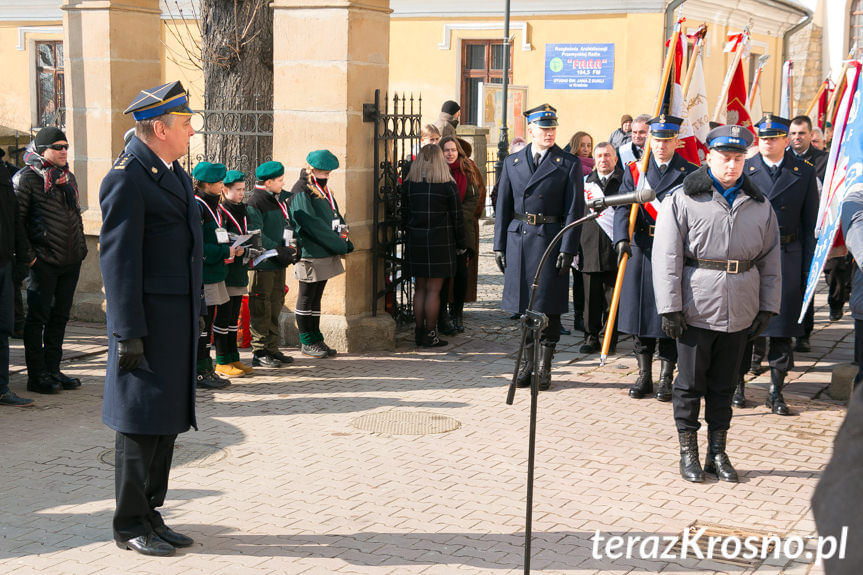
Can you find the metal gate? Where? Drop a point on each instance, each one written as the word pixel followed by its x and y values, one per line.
pixel 250 125
pixel 397 135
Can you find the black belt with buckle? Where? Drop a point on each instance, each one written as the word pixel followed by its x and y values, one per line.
pixel 787 239
pixel 729 266
pixel 649 230
pixel 536 219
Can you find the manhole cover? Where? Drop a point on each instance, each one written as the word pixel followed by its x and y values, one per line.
pixel 736 552
pixel 401 422
pixel 185 454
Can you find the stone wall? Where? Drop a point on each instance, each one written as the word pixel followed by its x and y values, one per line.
pixel 805 50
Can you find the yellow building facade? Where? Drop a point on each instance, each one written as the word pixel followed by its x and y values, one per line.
pixel 429 56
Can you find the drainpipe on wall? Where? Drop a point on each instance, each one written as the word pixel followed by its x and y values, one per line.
pixel 786 38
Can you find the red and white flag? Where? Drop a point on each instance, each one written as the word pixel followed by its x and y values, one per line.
pixel 735 110
pixel 691 147
pixel 697 113
pixel 733 41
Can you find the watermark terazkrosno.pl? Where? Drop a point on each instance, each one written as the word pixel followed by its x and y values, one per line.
pixel 690 545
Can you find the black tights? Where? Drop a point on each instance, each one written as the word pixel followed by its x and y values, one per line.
pixel 427 301
pixel 459 287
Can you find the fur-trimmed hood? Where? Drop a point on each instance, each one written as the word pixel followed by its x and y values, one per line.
pixel 699 182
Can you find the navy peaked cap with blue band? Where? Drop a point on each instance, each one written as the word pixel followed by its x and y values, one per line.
pixel 544 116
pixel 730 139
pixel 665 127
pixel 771 126
pixel 170 98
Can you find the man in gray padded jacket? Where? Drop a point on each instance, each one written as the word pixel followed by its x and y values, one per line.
pixel 717 282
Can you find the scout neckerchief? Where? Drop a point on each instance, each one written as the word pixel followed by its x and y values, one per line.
pixel 245 228
pixel 325 191
pixel 652 207
pixel 216 216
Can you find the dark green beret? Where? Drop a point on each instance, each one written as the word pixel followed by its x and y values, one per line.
pixel 322 160
pixel 269 171
pixel 234 176
pixel 210 173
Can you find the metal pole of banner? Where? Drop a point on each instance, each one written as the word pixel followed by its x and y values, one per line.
pixel 503 143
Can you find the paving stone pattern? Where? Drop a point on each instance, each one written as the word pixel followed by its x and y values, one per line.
pixel 279 480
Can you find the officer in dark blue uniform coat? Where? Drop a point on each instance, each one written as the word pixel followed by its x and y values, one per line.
pixel 150 257
pixel 541 189
pixel 637 313
pixel 790 185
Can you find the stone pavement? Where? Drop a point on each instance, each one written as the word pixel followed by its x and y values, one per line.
pixel 281 480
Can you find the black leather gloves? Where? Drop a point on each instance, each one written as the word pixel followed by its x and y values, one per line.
pixel 202 324
pixel 762 318
pixel 131 352
pixel 564 262
pixel 500 260
pixel 673 324
pixel 287 255
pixel 622 247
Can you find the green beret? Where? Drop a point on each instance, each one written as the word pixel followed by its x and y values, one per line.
pixel 209 173
pixel 322 160
pixel 269 171
pixel 234 176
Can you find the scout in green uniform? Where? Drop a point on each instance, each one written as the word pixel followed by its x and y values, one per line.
pixel 233 212
pixel 266 212
pixel 323 238
pixel 207 179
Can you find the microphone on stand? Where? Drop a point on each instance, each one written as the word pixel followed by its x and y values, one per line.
pixel 641 196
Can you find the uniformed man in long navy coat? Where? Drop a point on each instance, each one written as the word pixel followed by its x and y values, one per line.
pixel 541 189
pixel 789 183
pixel 637 313
pixel 150 257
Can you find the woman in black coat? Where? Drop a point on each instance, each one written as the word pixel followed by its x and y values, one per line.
pixel 431 211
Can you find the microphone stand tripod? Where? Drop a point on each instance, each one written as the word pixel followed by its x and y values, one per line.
pixel 534 322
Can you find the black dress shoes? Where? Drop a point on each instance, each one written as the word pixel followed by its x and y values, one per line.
pixel 282 358
pixel 149 544
pixel 43 383
pixel 66 381
pixel 176 539
pixel 264 360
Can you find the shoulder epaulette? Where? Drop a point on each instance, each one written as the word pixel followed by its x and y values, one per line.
pixel 120 163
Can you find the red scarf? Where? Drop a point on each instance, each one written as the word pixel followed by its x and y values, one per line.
pixel 460 179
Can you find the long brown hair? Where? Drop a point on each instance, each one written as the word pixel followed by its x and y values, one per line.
pixel 430 166
pixel 575 142
pixel 465 165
